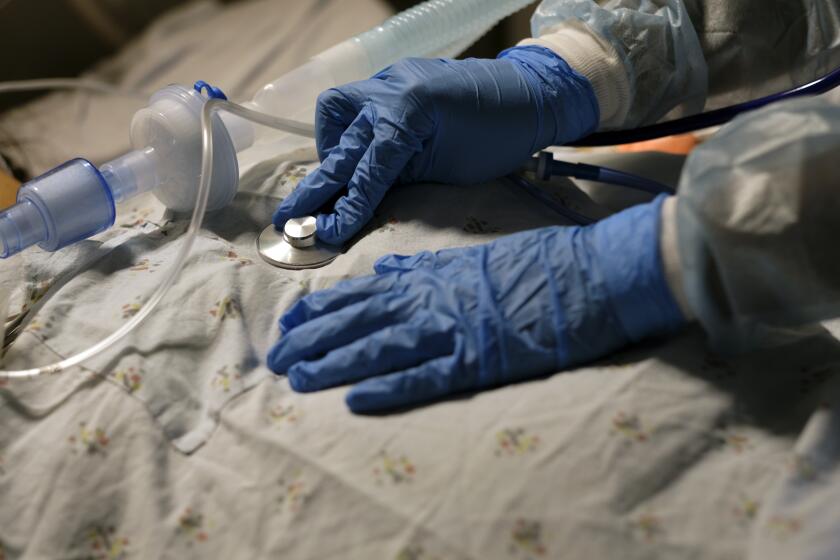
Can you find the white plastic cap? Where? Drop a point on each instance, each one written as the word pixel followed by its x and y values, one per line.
pixel 171 125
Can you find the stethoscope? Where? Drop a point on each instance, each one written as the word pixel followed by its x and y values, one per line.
pixel 544 166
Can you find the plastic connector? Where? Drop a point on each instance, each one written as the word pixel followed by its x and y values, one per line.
pixel 69 203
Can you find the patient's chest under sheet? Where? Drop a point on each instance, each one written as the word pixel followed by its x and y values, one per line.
pixel 182 442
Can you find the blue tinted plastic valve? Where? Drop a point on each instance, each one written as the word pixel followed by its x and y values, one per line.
pixel 65 205
pixel 21 226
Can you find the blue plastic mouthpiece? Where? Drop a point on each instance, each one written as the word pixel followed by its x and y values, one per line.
pixel 65 205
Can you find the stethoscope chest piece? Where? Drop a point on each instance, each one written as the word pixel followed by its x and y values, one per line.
pixel 296 247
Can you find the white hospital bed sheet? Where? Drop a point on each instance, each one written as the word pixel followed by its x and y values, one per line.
pixel 661 451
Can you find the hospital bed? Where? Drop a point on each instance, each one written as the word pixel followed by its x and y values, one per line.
pixel 180 443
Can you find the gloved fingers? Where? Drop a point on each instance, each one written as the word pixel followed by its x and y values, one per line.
pixel 341 295
pixel 423 259
pixel 379 168
pixel 403 263
pixel 319 336
pixel 335 111
pixel 426 382
pixel 423 337
pixel 317 188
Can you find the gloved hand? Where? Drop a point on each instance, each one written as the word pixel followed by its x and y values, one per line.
pixel 452 121
pixel 431 325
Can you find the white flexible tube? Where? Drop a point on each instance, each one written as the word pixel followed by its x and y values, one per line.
pixel 426 27
pixel 69 83
pixel 454 49
pixel 291 126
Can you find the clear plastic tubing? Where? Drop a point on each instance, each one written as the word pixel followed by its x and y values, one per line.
pixel 171 167
pixel 433 28
pixel 430 26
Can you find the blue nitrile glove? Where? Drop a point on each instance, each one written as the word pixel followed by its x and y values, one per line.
pixel 451 121
pixel 431 325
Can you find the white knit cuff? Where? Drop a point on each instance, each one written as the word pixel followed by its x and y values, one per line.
pixel 596 59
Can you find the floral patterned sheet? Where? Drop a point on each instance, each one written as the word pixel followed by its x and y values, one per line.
pixel 179 443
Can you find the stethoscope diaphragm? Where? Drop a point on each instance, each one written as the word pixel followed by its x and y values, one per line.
pixel 296 247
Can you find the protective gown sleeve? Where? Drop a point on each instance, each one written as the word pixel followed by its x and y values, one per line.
pixel 757 47
pixel 757 226
pixel 651 58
